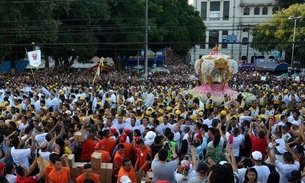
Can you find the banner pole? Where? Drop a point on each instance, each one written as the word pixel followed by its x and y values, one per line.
pixel 33 76
pixel 26 51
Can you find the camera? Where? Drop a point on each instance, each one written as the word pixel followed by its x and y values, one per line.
pixel 200 157
pixel 166 146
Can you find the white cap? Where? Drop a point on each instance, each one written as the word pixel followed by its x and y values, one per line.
pixel 256 155
pixel 150 135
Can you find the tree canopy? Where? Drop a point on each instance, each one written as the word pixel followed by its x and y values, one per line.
pixel 171 23
pixel 105 28
pixel 287 3
pixel 277 34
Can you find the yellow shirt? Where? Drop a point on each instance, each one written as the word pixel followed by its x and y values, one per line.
pixel 67 150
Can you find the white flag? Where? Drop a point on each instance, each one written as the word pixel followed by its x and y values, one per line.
pixel 34 58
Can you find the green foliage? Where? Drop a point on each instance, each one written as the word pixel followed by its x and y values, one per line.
pixel 278 32
pixel 171 23
pixel 79 30
pixel 287 3
pixel 86 28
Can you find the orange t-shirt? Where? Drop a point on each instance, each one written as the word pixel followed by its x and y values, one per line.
pixel 131 175
pixel 48 170
pixel 142 155
pixel 128 149
pixel 60 177
pixel 95 177
pixel 87 149
pixel 109 144
pixel 117 161
pixel 105 156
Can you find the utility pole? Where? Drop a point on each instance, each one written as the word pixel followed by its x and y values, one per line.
pixel 146 40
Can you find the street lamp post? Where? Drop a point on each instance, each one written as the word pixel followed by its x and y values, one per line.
pixel 146 40
pixel 293 39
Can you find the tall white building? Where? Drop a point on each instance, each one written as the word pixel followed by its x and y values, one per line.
pixel 229 24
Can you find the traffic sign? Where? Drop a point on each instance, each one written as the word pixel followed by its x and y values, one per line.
pixel 229 39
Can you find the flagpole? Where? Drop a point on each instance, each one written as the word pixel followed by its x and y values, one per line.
pixel 97 74
pixel 31 67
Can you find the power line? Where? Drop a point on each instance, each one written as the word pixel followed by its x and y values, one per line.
pixel 44 1
pixel 150 43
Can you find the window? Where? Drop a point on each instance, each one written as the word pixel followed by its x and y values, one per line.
pixel 214 10
pixel 224 39
pixel 215 6
pixel 245 29
pixel 213 38
pixel 247 11
pixel 204 10
pixel 275 9
pixel 244 41
pixel 226 10
pixel 256 11
pixel 265 11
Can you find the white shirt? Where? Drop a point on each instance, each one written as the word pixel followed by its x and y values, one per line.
pixel 241 174
pixel 177 138
pixel 21 156
pixel 119 126
pixel 37 105
pixel 243 118
pixel 168 125
pixel 285 169
pixel 132 128
pixel 142 128
pixel 131 99
pixel 11 178
pixel 262 173
pixel 181 179
pixel 237 141
pixel 44 155
pixel 138 122
pixel 149 100
pixel 40 138
pixel 113 100
pixel 208 122
pixel 22 126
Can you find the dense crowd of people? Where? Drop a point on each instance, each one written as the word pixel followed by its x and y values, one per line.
pixel 153 125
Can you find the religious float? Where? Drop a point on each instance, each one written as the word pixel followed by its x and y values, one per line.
pixel 214 71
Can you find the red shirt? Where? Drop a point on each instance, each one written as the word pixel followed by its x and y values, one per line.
pixel 31 179
pixel 2 165
pixel 87 149
pixel 142 155
pixel 128 149
pixel 109 144
pixel 117 161
pixel 259 145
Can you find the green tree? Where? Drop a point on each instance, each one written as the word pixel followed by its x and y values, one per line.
pixel 61 28
pixel 24 22
pixel 277 34
pixel 171 23
pixel 286 4
pixel 79 30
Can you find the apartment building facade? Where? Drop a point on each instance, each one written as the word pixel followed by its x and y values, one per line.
pixel 229 24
